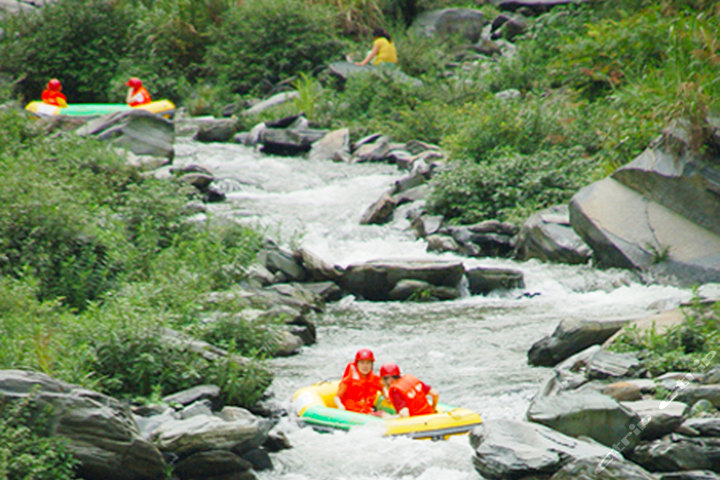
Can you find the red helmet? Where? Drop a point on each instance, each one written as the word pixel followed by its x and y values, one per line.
pixel 389 369
pixel 133 82
pixel 364 354
pixel 54 84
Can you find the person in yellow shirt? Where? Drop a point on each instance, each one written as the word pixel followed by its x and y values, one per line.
pixel 383 49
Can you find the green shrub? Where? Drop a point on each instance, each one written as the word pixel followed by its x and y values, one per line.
pixel 524 125
pixel 260 43
pixel 510 187
pixel 138 363
pixel 78 41
pixel 170 39
pixel 257 338
pixel 30 330
pixel 692 346
pixel 26 449
pixel 75 216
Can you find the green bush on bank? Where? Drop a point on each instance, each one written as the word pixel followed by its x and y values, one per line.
pixel 97 258
pixel 78 41
pixel 693 346
pixel 26 449
pixel 260 43
pixel 510 185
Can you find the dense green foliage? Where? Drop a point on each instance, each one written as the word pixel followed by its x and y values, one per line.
pixel 693 346
pixel 27 450
pixel 97 259
pixel 79 41
pixel 261 43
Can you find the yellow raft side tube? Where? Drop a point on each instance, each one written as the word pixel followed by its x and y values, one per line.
pixel 315 405
pixel 161 107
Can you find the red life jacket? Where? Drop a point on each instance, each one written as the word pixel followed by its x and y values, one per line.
pixel 411 389
pixel 140 96
pixel 51 97
pixel 360 392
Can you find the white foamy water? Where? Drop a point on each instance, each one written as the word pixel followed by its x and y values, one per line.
pixel 472 350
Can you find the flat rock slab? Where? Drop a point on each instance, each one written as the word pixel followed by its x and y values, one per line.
pixel 345 70
pixel 627 230
pixel 375 280
pixel 570 337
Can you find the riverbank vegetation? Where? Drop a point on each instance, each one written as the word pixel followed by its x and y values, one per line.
pixel 597 81
pixel 691 346
pixel 97 260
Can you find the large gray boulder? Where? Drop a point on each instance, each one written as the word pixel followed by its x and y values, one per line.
pixel 233 429
pixel 606 468
pixel 571 336
pixel 669 174
pixel 375 280
pixel 483 280
pixel 137 130
pixel 507 449
pixel 658 417
pixel 289 141
pixel 451 22
pixel 695 393
pixel 548 236
pixel 331 145
pixel 676 452
pixel 627 230
pixel 101 431
pixel 657 214
pixel 579 414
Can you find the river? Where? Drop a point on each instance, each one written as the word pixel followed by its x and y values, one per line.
pixel 472 350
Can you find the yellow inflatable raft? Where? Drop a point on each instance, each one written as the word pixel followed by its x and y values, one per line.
pixel 315 406
pixel 162 107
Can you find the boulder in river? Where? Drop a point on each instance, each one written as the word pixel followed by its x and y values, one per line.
pixel 375 280
pixel 547 235
pixel 483 280
pixel 332 144
pixel 570 337
pixel 579 414
pixel 507 449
